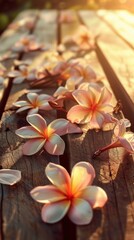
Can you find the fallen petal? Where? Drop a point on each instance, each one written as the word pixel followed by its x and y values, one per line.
pixel 9 176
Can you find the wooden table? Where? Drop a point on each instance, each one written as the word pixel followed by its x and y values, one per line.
pixel 114 59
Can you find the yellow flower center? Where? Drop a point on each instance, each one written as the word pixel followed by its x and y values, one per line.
pixel 48 132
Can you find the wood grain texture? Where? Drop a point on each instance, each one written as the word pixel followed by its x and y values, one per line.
pixel 125 16
pixel 115 220
pixel 21 215
pixel 117 60
pixel 7 40
pixel 121 28
pixel 11 36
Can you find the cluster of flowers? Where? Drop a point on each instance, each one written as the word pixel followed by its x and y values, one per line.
pixel 91 104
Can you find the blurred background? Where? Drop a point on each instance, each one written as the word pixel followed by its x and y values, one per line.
pixel 10 8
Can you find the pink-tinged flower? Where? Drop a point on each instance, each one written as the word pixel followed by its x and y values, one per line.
pixel 22 74
pixel 8 55
pixel 26 44
pixel 69 195
pixel 94 105
pixel 41 135
pixel 9 176
pixel 66 17
pixel 83 74
pixel 122 138
pixel 84 38
pixel 27 22
pixel 35 102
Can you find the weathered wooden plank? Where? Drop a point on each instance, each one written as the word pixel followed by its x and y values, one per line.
pixel 125 16
pixel 110 172
pixel 117 60
pixel 11 36
pixel 121 28
pixel 116 218
pixel 22 212
pixel 46 30
pixel 7 40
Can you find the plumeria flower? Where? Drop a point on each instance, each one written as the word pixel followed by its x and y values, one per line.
pixel 66 17
pixel 56 75
pixel 9 176
pixel 35 102
pixel 84 38
pixel 26 44
pixel 41 135
pixel 83 73
pixel 22 74
pixel 94 105
pixel 8 55
pixel 27 22
pixel 122 138
pixel 73 195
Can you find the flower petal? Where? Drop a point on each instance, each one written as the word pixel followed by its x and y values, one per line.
pixel 120 129
pixel 55 145
pixel 58 176
pixel 82 97
pixel 97 120
pixel 105 96
pixel 47 194
pixel 37 122
pixel 32 97
pixel 52 213
pixel 9 176
pixel 80 212
pixel 79 114
pixel 62 126
pixel 18 80
pixel 59 126
pixel 82 175
pixel 96 196
pixel 33 146
pixel 23 108
pixel 28 132
pixel 33 111
pixel 128 145
pixel 44 97
pixel 60 91
pixel 14 73
pixel 21 103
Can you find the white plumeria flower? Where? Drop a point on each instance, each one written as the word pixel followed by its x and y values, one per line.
pixel 72 195
pixel 122 138
pixel 22 74
pixel 41 135
pixel 35 102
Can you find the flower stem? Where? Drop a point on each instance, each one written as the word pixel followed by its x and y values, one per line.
pixel 111 145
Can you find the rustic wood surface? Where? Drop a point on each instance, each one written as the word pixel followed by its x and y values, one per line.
pixel 20 215
pixel 117 60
